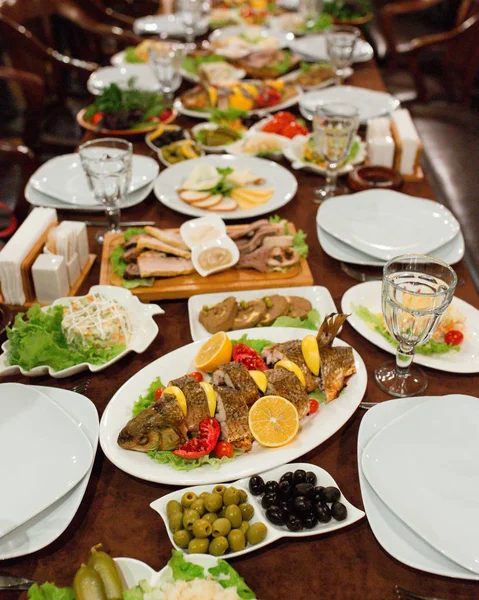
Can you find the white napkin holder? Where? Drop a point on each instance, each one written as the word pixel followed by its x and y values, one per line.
pixel 380 143
pixel 50 278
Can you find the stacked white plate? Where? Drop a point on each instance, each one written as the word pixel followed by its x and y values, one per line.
pixel 371 227
pixel 44 478
pixel 418 471
pixel 144 78
pixel 61 183
pixel 313 47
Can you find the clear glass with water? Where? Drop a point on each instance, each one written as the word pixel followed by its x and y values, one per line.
pixel 166 64
pixel 340 44
pixel 190 12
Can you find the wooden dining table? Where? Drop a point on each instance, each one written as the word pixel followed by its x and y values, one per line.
pixel 347 564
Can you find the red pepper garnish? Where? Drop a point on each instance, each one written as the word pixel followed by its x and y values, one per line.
pixel 248 357
pixel 204 443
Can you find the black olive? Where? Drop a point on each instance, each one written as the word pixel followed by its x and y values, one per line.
pixel 289 476
pixel 303 489
pixel 284 490
pixel 270 486
pixel 299 476
pixel 331 494
pixel 339 511
pixel 294 523
pixel 256 485
pixel 323 513
pixel 276 515
pixel 317 495
pixel 301 505
pixel 309 521
pixel 311 478
pixel 285 505
pixel 268 500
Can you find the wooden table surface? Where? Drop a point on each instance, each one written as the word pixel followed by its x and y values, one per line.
pixel 348 564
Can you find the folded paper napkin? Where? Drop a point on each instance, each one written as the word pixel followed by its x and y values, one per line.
pixel 67 239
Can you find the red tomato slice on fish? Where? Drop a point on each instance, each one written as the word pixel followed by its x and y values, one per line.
pixel 204 443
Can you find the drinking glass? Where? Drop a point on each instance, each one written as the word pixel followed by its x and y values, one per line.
pixel 334 125
pixel 190 12
pixel 107 164
pixel 165 62
pixel 416 291
pixel 340 43
pixel 310 10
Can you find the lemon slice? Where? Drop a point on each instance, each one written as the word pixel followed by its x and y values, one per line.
pixel 214 352
pixel 260 379
pixel 210 397
pixel 310 350
pixel 291 366
pixel 273 421
pixel 173 389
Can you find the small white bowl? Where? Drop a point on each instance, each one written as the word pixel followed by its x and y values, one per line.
pixel 168 164
pixel 211 127
pixel 223 242
pixel 156 149
pixel 193 228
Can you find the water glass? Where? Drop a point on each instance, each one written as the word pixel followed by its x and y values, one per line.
pixel 340 43
pixel 310 10
pixel 334 128
pixel 190 13
pixel 416 291
pixel 165 62
pixel 107 164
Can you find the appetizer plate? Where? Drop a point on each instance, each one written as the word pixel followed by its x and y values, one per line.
pixel 390 531
pixel 36 474
pixel 211 127
pixel 319 297
pixel 233 74
pixel 100 79
pixel 258 139
pixel 132 132
pixel 145 331
pixel 315 429
pixel 269 38
pixel 368 294
pixel 275 532
pixel 318 86
pixel 48 525
pixel 442 446
pixel 172 178
pixel 313 47
pixel 166 26
pixel 370 104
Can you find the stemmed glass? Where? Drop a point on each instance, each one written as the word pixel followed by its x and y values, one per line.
pixel 190 12
pixel 165 63
pixel 334 125
pixel 340 43
pixel 310 10
pixel 107 164
pixel 416 291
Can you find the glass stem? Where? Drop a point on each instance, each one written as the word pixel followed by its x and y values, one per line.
pixel 331 178
pixel 404 358
pixel 338 77
pixel 190 35
pixel 113 215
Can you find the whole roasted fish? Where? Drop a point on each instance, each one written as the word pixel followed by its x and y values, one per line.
pixel 330 328
pixel 236 376
pixel 282 382
pixel 291 351
pixel 232 414
pixel 196 401
pixel 337 364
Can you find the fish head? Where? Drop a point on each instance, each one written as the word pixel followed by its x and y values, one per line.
pixel 139 436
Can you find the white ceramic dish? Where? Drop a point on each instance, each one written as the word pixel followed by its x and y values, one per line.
pixel 211 127
pixel 442 446
pixel 166 26
pixel 258 137
pixel 315 429
pixel 145 331
pixel 48 525
pixel 402 224
pixel 194 232
pixel 64 179
pixel 275 532
pixel 319 297
pixel 368 294
pixel 118 59
pixel 171 179
pixel 319 86
pixel 145 79
pixel 370 104
pixel 392 533
pixel 156 149
pixel 36 474
pixel 165 163
pixel 222 242
pixel 313 47
pixel 267 38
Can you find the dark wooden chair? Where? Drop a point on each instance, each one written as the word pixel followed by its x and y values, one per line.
pixel 132 8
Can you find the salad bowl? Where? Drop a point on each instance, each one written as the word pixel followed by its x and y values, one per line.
pixel 89 126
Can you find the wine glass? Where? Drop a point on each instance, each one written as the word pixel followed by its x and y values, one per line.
pixel 190 12
pixel 340 43
pixel 416 291
pixel 165 62
pixel 107 164
pixel 310 10
pixel 335 125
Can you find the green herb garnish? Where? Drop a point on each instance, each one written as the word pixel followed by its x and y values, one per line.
pixel 131 56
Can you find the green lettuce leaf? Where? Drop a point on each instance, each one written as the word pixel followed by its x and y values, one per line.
pixel 318 395
pixel 118 265
pixel 184 570
pixel 148 398
pixel 299 243
pixel 165 457
pixel 49 591
pixel 312 321
pixel 131 56
pixel 255 344
pixel 227 577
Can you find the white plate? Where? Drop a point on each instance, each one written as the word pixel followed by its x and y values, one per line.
pixel 281 38
pixel 368 294
pixel 235 75
pixel 319 297
pixel 237 148
pixel 370 104
pixel 145 79
pixel 315 429
pixel 118 59
pixel 348 72
pixel 294 151
pixel 48 525
pixel 385 224
pixel 166 26
pixel 55 456
pixel 394 535
pixel 275 175
pixel 64 179
pixel 431 451
pixel 275 532
pixel 145 331
pixel 313 47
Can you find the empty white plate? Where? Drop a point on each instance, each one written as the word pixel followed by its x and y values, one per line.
pixel 385 224
pixel 144 78
pixel 423 465
pixel 43 454
pixel 166 26
pixel 314 47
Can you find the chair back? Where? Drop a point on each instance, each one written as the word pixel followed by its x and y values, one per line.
pixel 461 61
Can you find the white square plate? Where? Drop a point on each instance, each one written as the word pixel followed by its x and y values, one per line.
pixel 314 47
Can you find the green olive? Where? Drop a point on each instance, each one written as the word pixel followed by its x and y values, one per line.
pixel 247 511
pixel 189 517
pixel 106 567
pixel 176 522
pixel 197 546
pixel 199 505
pixel 173 507
pixel 210 517
pixel 244 526
pixel 236 540
pixel 204 495
pixel 231 496
pixel 256 533
pixel 221 527
pixel 182 538
pixel 233 514
pixel 202 529
pixel 88 585
pixel 218 546
pixel 219 489
pixel 214 502
pixel 243 496
pixel 188 498
pixel 222 512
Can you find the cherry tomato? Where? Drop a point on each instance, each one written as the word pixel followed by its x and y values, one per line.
pixel 166 114
pixel 204 443
pixel 248 357
pixel 454 338
pixel 293 129
pixel 273 126
pixel 284 116
pixel 224 449
pixel 196 375
pixel 158 394
pixel 269 97
pixel 313 406
pixel 97 117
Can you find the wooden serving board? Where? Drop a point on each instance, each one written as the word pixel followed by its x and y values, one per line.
pixel 184 286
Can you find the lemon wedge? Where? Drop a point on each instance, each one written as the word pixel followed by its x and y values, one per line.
pixel 310 350
pixel 173 389
pixel 260 379
pixel 291 366
pixel 214 352
pixel 210 397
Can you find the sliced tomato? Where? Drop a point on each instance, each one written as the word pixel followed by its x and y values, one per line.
pixel 284 116
pixel 313 406
pixel 248 357
pixel 454 338
pixel 158 393
pixel 273 126
pixel 197 375
pixel 204 443
pixel 293 129
pixel 97 117
pixel 224 449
